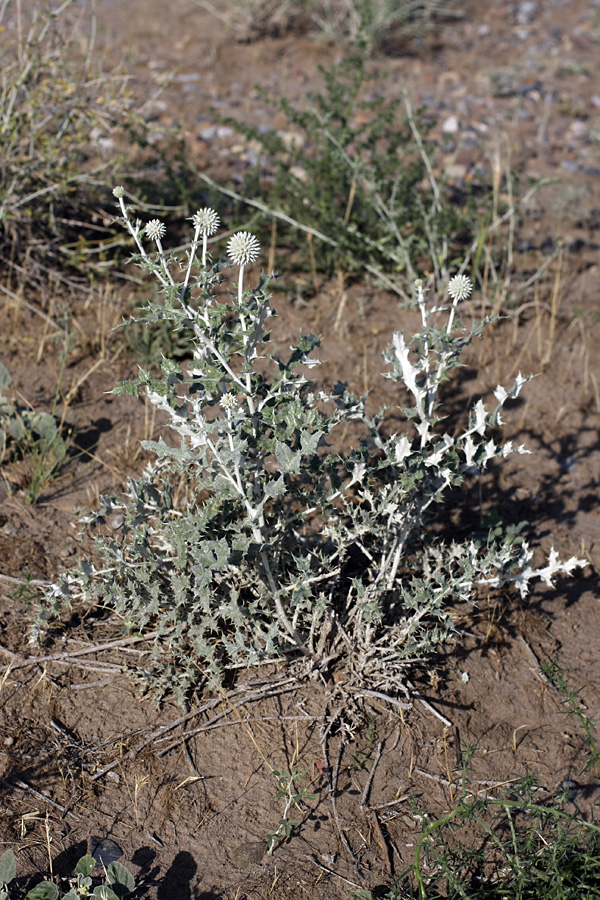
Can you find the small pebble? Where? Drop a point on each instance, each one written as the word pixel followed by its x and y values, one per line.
pixel 216 131
pixel 526 12
pixel 299 172
pixel 105 851
pixel 456 171
pixel 568 463
pixel 570 787
pixel 292 140
pixel 450 126
pixel 115 521
pixel 248 854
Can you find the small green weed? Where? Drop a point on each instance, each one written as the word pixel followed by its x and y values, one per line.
pixel 291 788
pixel 558 677
pixel 117 883
pixel 361 756
pixel 514 847
pixel 27 590
pixel 39 439
pixel 149 342
pixel 520 849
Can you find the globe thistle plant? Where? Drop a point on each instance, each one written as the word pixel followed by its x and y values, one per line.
pixel 206 223
pixel 460 288
pixel 242 249
pixel 248 539
pixel 155 230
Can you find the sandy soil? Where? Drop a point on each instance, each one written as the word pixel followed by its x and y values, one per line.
pixel 189 797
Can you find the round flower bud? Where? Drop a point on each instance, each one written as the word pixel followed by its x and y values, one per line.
pixel 243 248
pixel 155 230
pixel 460 287
pixel 118 192
pixel 206 221
pixel 228 402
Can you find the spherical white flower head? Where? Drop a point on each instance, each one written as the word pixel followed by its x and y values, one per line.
pixel 228 402
pixel 206 221
pixel 460 287
pixel 155 230
pixel 118 192
pixel 243 248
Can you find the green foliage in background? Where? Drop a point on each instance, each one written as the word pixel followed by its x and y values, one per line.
pixel 354 174
pixel 346 22
pixel 66 125
pixel 38 438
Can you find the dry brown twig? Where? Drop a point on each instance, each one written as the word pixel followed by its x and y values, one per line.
pixel 212 723
pixel 23 786
pixel 70 655
pixel 180 720
pixel 331 777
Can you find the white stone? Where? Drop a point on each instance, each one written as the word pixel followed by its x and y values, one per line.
pixel 450 126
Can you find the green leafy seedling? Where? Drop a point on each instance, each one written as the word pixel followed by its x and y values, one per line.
pixel 8 870
pixel 120 879
pixel 104 892
pixel 45 890
pixel 86 865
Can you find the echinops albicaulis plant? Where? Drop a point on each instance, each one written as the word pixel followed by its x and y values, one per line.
pixel 278 546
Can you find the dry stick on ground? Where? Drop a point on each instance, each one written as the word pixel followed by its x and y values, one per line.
pixel 332 780
pixel 35 581
pixel 371 814
pixel 86 685
pixel 486 785
pixel 23 786
pixel 153 737
pixel 71 654
pixel 387 859
pixel 213 724
pixel 381 696
pixel 164 729
pixel 331 871
pixel 155 734
pixel 262 695
pixel 364 800
pixel 428 705
pixel 99 669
